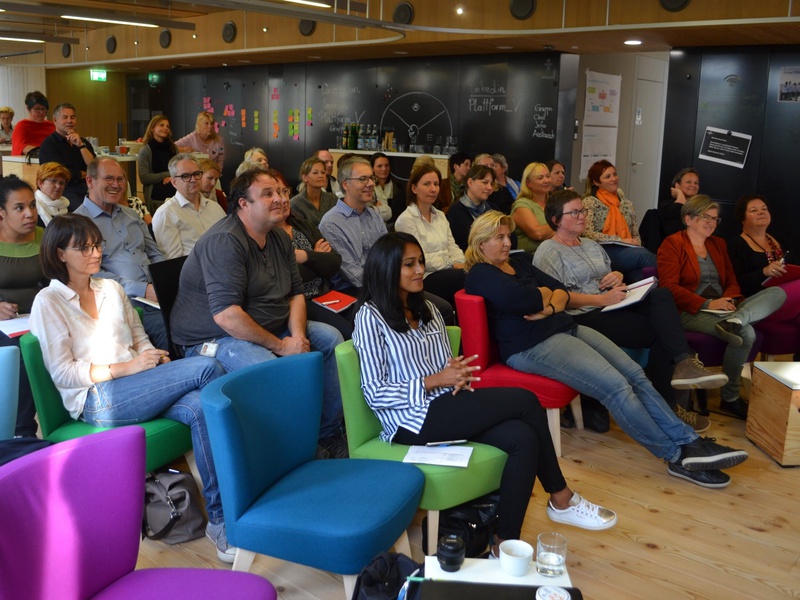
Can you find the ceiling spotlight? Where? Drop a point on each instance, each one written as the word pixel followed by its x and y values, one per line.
pixel 459 9
pixel 633 42
pixel 194 36
pixel 264 29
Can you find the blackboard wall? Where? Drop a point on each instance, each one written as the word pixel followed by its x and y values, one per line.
pixel 736 89
pixel 497 103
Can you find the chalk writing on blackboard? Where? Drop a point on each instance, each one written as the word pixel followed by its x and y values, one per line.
pixel 541 127
pixel 336 101
pixel 414 112
pixel 491 98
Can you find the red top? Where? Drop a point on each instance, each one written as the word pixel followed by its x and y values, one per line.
pixel 679 270
pixel 29 133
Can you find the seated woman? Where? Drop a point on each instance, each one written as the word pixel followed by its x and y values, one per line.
pixel 256 154
pixel 528 209
pixel 208 184
pixel 611 219
pixel 6 128
pixel 204 139
pixel 21 278
pixel 316 261
pixel 585 269
pixel 500 167
pixel 390 193
pixel 694 265
pixel 313 202
pixel 558 175
pixel 444 260
pixel 101 361
pixel 51 178
pixel 685 186
pixel 474 202
pixel 452 187
pixel 153 160
pixel 31 132
pixel 421 393
pixel 526 315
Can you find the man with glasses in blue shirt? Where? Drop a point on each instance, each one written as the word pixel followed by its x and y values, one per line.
pixel 182 219
pixel 129 247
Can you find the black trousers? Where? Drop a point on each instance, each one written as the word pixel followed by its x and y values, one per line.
pixel 510 419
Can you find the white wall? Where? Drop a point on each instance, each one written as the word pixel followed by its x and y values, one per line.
pixel 18 80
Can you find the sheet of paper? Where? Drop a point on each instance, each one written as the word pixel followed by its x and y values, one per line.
pixel 143 300
pixel 716 311
pixel 636 292
pixel 15 327
pixel 448 456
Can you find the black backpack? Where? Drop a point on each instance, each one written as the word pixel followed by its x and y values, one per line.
pixel 384 577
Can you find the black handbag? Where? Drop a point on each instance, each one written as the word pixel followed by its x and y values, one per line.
pixel 384 577
pixel 172 512
pixel 474 521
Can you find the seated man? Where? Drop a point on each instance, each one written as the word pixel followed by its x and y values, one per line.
pixel 66 147
pixel 241 299
pixel 182 219
pixel 129 248
pixel 353 226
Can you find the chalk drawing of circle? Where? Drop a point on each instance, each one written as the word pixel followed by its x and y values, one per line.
pixel 417 113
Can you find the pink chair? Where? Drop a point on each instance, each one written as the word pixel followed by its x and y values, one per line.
pixel 553 395
pixel 70 523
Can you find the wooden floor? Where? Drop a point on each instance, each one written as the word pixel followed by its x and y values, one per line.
pixel 673 539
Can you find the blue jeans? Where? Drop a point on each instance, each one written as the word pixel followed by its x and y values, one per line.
pixel 630 261
pixel 753 309
pixel 172 391
pixel 235 354
pixel 593 365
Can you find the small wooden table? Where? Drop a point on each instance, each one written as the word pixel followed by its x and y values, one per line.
pixel 773 420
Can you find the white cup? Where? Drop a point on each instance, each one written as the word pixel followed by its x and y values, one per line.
pixel 516 557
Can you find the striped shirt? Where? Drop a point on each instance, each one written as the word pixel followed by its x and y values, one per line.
pixel 394 366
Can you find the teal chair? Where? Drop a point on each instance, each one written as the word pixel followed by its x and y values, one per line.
pixel 166 439
pixel 9 390
pixel 445 487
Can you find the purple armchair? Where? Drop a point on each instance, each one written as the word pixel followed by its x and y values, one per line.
pixel 70 521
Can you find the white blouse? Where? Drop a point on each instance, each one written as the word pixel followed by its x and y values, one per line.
pixel 436 239
pixel 72 341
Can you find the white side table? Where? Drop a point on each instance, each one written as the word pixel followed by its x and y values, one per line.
pixel 483 570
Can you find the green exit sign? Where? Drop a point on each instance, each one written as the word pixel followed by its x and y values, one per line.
pixel 97 75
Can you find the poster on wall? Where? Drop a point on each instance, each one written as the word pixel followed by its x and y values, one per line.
pixel 725 147
pixel 602 99
pixel 599 143
pixel 789 85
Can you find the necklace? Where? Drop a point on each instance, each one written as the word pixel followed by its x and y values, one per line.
pixel 583 256
pixel 774 253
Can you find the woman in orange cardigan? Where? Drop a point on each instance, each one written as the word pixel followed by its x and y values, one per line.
pixel 695 267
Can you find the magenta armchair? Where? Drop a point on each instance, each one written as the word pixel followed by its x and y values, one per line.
pixel 70 519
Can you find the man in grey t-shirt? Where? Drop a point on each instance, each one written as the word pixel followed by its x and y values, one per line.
pixel 240 297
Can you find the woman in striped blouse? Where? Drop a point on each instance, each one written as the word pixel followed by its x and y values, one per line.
pixel 410 380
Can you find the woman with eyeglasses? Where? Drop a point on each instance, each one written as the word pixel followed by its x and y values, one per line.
pixel 611 221
pixel 694 266
pixel 51 178
pixel 313 201
pixel 21 276
pixel 31 132
pixel 153 161
pixel 182 219
pixel 6 128
pixel 584 268
pixel 100 358
pixel 527 318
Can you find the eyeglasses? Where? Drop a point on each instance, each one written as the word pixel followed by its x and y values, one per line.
pixel 576 213
pixel 88 249
pixel 187 177
pixel 708 218
pixel 109 179
pixel 363 179
pixel 59 182
pixel 39 109
pixel 286 192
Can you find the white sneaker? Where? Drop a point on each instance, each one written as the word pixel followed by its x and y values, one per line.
pixel 216 533
pixel 582 513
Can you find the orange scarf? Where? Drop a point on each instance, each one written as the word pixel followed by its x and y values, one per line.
pixel 615 221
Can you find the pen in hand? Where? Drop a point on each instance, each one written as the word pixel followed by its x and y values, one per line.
pixel 3 299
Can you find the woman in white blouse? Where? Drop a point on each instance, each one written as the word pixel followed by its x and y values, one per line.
pixel 444 266
pixel 413 383
pixel 101 361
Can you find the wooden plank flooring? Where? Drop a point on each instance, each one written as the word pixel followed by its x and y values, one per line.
pixel 674 540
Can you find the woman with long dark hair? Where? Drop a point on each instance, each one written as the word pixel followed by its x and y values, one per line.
pixel 153 161
pixel 421 393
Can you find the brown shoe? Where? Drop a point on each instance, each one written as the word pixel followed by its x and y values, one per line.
pixel 695 420
pixel 691 374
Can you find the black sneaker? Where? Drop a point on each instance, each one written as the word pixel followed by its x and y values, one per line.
pixel 705 454
pixel 708 479
pixel 736 408
pixel 730 332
